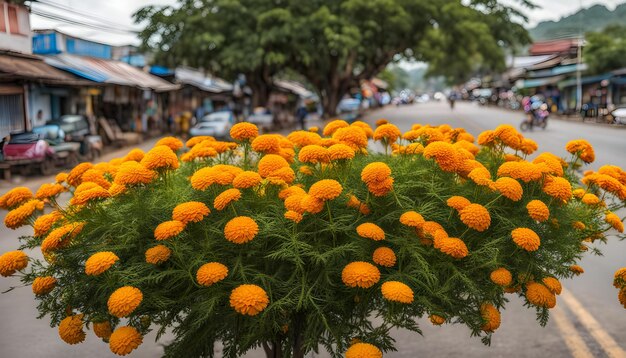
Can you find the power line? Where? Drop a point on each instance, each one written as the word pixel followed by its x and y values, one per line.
pixel 86 15
pixel 61 18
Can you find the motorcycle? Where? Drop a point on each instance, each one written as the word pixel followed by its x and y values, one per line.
pixel 536 117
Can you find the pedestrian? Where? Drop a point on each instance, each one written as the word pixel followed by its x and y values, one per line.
pixel 301 114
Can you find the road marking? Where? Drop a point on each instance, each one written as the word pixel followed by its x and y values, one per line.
pixel 601 336
pixel 573 340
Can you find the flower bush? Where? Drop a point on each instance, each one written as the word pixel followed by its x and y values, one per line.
pixel 295 243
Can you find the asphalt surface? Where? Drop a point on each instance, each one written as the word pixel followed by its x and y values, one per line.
pixel 588 320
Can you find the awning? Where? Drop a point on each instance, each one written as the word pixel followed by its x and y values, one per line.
pixel 538 82
pixel 193 77
pixel 585 80
pixel 109 71
pixel 293 87
pixel 20 66
pixel 558 70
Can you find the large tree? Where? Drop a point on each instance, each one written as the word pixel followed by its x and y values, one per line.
pixel 333 44
pixel 605 50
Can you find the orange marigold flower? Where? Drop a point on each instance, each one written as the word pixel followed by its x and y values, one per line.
pixel 578 225
pixel 97 176
pixel 160 157
pixel 365 127
pixel 614 221
pixel 510 188
pixel 158 254
pixel 271 163
pixel 294 203
pixel 267 144
pixel 49 190
pixel 381 122
pixel 313 154
pixel 619 278
pixel 539 295
pixel 370 231
pixel 526 239
pixel 558 188
pixel 211 273
pixel 381 188
pixel 304 138
pixel 412 219
pixel 363 350
pixel 124 340
pixel 458 202
pixel 354 137
pixel 590 199
pixel 578 193
pixel 282 176
pixel 44 223
pixel 190 212
pixel 577 270
pixel 12 261
pixel 244 131
pixel 553 285
pixel 71 329
pixel 528 146
pixel 293 216
pixel 453 246
pixel 88 191
pixel 360 274
pixel 117 189
pixel 470 147
pixel 491 317
pixel 509 136
pixel 388 132
pixel 487 138
pixel 18 216
pixel 312 204
pixel 445 154
pixel 60 178
pixel 132 173
pixel 135 155
pixel 225 198
pixel 501 277
pixel 475 216
pixel 384 256
pixel 326 189
pixel 621 296
pixel 292 190
pixel 172 142
pixel 75 176
pixel 193 141
pixel 99 262
pixel 55 238
pixel 340 152
pixel 552 161
pixel 524 171
pixel 124 301
pixel 436 320
pixel 247 179
pixel 168 229
pixel 102 329
pixel 332 126
pixel 375 173
pixel 537 210
pixel 15 197
pixel 43 285
pixel 397 291
pixel 219 174
pixel 249 300
pixel 241 229
pixel 582 149
pixel 306 170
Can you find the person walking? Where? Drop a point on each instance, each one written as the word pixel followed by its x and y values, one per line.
pixel 301 113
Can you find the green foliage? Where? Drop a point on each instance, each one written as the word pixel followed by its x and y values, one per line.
pixel 333 44
pixel 605 50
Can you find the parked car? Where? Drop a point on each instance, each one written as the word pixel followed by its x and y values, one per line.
pixel 44 148
pixel 78 129
pixel 619 116
pixel 216 124
pixel 349 109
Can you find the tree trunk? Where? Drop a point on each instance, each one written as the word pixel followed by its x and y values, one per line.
pixel 331 95
pixel 260 93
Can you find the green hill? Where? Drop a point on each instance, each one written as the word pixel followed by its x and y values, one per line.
pixel 594 18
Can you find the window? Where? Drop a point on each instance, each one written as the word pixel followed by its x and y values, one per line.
pixel 11 114
pixel 13 23
pixel 3 27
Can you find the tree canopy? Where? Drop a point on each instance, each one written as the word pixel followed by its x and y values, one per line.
pixel 605 50
pixel 333 44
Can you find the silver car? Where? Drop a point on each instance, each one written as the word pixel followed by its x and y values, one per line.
pixel 216 124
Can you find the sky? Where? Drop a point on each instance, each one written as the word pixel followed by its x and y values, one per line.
pixel 117 13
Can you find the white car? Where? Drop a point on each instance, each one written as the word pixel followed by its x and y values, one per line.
pixel 619 115
pixel 216 124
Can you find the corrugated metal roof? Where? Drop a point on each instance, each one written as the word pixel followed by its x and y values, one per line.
pixel 21 66
pixel 109 71
pixel 190 76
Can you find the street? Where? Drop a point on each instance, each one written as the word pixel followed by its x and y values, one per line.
pixel 588 320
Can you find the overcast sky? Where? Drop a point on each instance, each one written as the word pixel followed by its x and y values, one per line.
pixel 117 13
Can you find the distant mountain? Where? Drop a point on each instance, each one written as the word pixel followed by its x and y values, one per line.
pixel 594 18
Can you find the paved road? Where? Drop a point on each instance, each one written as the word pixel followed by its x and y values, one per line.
pixel 589 321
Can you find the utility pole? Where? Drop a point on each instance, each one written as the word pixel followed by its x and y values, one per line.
pixel 579 55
